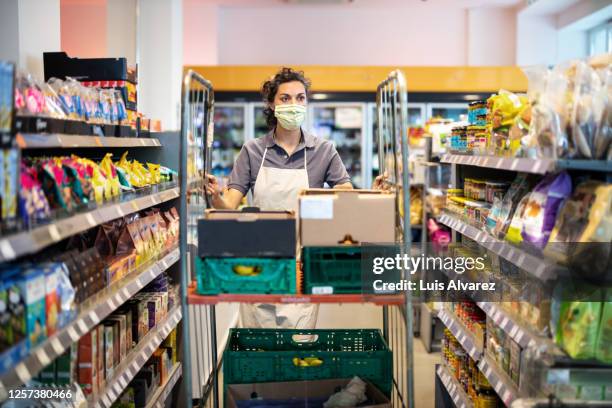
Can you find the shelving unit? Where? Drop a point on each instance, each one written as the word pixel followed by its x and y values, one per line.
pixel 38 238
pixel 512 326
pixel 92 312
pixel 526 165
pixel 136 359
pixel 453 387
pixel 535 265
pixel 501 382
pixel 467 340
pixel 62 141
pixel 161 394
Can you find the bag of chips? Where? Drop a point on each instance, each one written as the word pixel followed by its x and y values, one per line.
pixel 542 207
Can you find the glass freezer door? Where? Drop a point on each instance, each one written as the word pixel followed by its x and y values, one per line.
pixel 230 135
pixel 416 118
pixel 345 125
pixel 457 112
pixel 260 127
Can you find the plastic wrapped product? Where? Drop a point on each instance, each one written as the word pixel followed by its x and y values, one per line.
pixel 33 205
pixel 578 325
pixel 603 348
pixel 603 133
pixel 588 107
pixel 542 207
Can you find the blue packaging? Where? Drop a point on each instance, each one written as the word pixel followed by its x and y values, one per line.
pixel 32 284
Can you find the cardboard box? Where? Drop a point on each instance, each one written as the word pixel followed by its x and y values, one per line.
pixel 33 288
pixel 300 389
pixel 108 351
pixel 337 217
pixel 122 340
pixel 101 360
pixel 247 233
pixel 88 362
pixel 51 299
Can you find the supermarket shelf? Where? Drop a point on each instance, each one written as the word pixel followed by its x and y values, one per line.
pixel 567 403
pixel 535 265
pixel 540 166
pixel 195 299
pixel 92 312
pixel 453 387
pixel 32 241
pixel 499 380
pixel 536 166
pixel 159 397
pixel 511 325
pixel 61 141
pixel 136 359
pixel 461 333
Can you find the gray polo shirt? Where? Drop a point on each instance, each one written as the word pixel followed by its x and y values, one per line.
pixel 324 163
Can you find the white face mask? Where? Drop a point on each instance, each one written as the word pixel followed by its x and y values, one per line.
pixel 290 116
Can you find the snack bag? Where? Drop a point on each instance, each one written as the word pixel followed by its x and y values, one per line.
pixel 575 216
pixel 502 210
pixel 577 330
pixel 52 178
pixel 130 242
pixel 154 172
pixel 111 174
pixel 79 195
pixel 516 225
pixel 33 205
pixel 53 105
pixel 62 89
pixel 542 207
pixel 122 118
pixel 587 110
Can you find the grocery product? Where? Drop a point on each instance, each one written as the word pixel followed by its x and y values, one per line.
pixel 503 209
pixel 88 353
pixel 577 328
pixel 542 206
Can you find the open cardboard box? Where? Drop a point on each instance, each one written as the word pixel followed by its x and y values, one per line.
pixel 248 233
pixel 300 389
pixel 329 216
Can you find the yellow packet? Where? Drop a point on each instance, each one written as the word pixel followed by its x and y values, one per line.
pixel 111 174
pixel 155 173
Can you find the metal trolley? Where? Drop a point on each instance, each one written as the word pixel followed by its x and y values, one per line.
pixel 200 349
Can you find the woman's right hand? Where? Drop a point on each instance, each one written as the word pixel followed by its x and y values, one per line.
pixel 212 187
pixel 381 182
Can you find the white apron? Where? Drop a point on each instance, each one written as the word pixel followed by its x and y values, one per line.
pixel 277 190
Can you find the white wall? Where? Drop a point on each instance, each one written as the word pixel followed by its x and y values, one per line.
pixel 200 33
pixel 27 29
pixel 160 36
pixel 421 35
pixel 121 29
pixel 536 40
pixel 490 36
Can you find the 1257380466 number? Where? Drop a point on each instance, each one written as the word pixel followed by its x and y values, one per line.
pixel 41 393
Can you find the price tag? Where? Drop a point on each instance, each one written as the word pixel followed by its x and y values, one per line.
pixel 74 336
pixel 57 346
pixel 54 233
pixel 7 250
pixel 82 326
pixel 23 373
pixel 42 357
pixel 90 219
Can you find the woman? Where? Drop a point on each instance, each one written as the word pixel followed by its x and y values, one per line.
pixel 276 167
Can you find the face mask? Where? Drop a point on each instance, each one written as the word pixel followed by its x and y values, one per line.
pixel 290 116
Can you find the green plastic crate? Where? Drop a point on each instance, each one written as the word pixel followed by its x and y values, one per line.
pixel 266 355
pixel 218 275
pixel 332 270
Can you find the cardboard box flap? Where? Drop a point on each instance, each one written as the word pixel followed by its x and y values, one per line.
pixel 247 214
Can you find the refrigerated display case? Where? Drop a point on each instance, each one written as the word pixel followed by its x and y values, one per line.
pixel 416 119
pixel 454 111
pixel 260 127
pixel 345 125
pixel 230 134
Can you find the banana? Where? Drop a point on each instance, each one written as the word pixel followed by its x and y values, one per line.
pixel 244 270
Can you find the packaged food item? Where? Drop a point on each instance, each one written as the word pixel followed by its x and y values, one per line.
pixel 121 321
pixel 578 325
pixel 10 192
pixel 110 173
pixel 603 133
pixel 503 209
pixel 32 283
pixel 515 227
pixel 51 299
pixel 109 351
pixel 542 207
pixel 33 205
pixel 88 362
pixel 587 110
pixel 101 360
pixel 603 348
pixel 130 242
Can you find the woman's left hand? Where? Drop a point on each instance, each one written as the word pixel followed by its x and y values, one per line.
pixel 381 182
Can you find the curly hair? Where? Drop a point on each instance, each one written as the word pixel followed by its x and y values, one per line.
pixel 270 88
